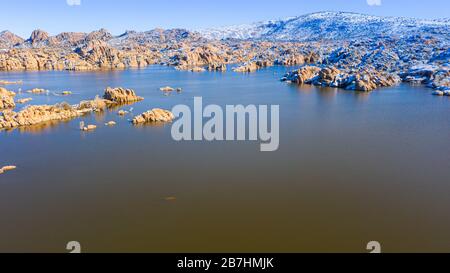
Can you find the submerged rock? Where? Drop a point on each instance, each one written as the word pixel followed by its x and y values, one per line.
pixel 155 115
pixel 121 95
pixel 6 99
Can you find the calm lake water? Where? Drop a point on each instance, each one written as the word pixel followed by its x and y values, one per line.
pixel 351 168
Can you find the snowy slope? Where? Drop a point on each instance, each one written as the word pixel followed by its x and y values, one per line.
pixel 331 26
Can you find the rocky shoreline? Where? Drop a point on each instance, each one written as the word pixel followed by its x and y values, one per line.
pixel 354 56
pixel 364 64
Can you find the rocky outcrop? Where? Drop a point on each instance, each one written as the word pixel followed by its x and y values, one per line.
pixel 292 59
pixel 252 66
pixel 246 68
pixel 217 67
pixel 302 75
pixel 6 99
pixel 95 105
pixel 191 57
pixel 110 123
pixel 24 100
pixel 434 76
pixel 369 80
pixel 36 114
pixel 167 89
pixel 99 35
pixel 121 95
pixel 7 169
pixel 67 39
pixel 363 80
pixel 89 127
pixel 38 36
pixel 9 39
pixel 32 115
pixel 155 115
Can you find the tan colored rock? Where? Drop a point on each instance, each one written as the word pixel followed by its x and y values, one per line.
pixel 303 74
pixel 110 123
pixel 217 67
pixel 36 114
pixel 95 105
pixel 6 99
pixel 3 82
pixel 38 36
pixel 122 113
pixel 121 95
pixel 252 66
pixel 368 80
pixel 89 128
pixel 328 74
pixel 197 69
pixel 23 101
pixel 167 89
pixel 7 168
pixel 155 115
pixel 203 55
pixel 247 68
pixel 37 91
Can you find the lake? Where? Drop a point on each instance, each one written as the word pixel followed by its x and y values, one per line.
pixel 351 168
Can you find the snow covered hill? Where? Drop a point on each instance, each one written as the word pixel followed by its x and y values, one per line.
pixel 331 26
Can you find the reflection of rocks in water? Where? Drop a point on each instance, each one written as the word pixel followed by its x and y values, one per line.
pixel 43 127
pixel 117 106
pixel 361 96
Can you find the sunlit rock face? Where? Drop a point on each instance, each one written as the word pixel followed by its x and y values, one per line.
pixel 6 99
pixel 121 95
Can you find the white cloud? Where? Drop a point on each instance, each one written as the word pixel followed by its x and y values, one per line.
pixel 73 2
pixel 374 2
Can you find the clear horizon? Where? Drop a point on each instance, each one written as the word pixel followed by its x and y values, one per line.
pixel 56 16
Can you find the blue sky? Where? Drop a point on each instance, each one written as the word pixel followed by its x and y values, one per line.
pixel 55 16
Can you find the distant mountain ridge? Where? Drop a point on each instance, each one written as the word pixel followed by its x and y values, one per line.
pixel 334 26
pixel 330 26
